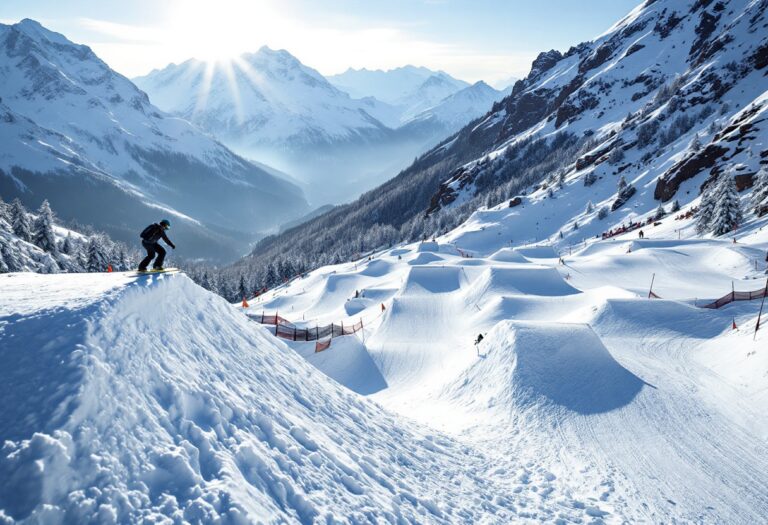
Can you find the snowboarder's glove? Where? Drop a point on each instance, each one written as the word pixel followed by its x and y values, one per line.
pixel 173 246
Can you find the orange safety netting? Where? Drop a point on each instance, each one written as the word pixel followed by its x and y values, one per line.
pixel 738 296
pixel 286 330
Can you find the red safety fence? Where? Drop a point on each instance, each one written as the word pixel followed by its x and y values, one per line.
pixel 738 296
pixel 322 345
pixel 286 330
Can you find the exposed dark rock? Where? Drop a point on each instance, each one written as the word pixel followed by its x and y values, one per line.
pixel 665 27
pixel 634 48
pixel 668 184
pixel 760 57
pixel 623 197
pixel 544 62
pixel 598 57
pixel 515 201
pixel 745 181
pixel 705 27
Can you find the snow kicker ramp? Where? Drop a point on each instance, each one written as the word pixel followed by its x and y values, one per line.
pixel 429 280
pixel 526 279
pixel 508 255
pixel 156 401
pixel 548 367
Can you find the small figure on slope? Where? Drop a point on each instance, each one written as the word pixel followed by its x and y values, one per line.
pixel 149 239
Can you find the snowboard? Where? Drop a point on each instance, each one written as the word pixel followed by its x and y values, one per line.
pixel 156 272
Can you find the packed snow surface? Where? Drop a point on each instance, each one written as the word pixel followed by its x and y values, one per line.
pixel 650 410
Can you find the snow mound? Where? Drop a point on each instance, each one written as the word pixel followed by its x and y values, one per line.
pixel 534 365
pixel 425 258
pixel 432 280
pixel 508 255
pixel 155 401
pixel 428 246
pixel 347 362
pixel 527 279
pixel 538 252
pixel 376 268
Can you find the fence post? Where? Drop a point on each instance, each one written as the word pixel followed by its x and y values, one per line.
pixel 294 333
pixel 317 332
pixel 733 292
pixel 342 327
pixel 650 290
pixel 760 314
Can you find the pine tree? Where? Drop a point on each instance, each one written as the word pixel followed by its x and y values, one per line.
pixel 660 213
pixel 9 259
pixel 621 184
pixel 590 207
pixel 66 245
pixel 675 206
pixel 42 234
pixel 696 143
pixel 96 258
pixel 727 213
pixel 706 207
pixel 602 213
pixel 20 221
pixel 760 191
pixel 242 291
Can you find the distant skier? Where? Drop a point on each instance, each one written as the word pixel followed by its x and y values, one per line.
pixel 149 239
pixel 477 343
pixel 641 234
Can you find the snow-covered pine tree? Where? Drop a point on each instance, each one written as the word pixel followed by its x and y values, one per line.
pixel 621 184
pixel 706 207
pixel 590 178
pixel 590 207
pixel 5 213
pixel 242 291
pixel 727 213
pixel 20 221
pixel 602 213
pixel 575 225
pixel 9 259
pixel 696 143
pixel 660 213
pixel 759 199
pixel 96 257
pixel 42 232
pixel 66 245
pixel 616 156
pixel 675 206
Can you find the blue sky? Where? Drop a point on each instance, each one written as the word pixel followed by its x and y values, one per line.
pixel 482 39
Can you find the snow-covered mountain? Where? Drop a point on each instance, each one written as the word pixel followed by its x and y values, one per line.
pixel 83 136
pixel 671 98
pixel 675 91
pixel 456 110
pixel 267 98
pixel 410 89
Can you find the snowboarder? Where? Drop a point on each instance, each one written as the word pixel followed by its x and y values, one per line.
pixel 641 234
pixel 477 343
pixel 149 239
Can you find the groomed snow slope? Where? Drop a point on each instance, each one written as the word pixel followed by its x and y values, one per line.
pixel 652 410
pixel 146 399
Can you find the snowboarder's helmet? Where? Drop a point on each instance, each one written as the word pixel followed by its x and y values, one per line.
pixel 165 223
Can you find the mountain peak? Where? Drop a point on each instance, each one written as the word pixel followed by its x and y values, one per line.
pixel 35 30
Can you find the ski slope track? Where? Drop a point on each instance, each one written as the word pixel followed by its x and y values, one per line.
pixel 147 399
pixel 651 410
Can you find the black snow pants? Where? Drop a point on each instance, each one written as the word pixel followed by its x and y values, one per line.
pixel 152 249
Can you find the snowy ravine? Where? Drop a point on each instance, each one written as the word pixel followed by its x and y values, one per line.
pixel 146 398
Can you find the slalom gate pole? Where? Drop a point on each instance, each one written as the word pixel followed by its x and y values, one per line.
pixel 760 314
pixel 650 290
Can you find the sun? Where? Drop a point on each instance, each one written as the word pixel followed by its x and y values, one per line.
pixel 217 31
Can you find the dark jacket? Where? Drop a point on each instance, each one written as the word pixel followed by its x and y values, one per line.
pixel 153 233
